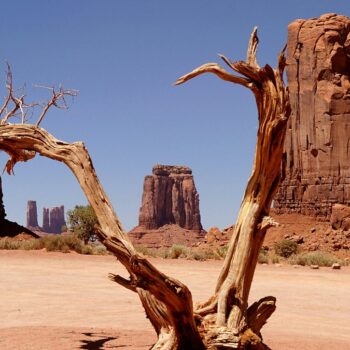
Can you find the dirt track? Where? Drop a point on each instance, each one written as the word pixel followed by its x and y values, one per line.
pixel 64 301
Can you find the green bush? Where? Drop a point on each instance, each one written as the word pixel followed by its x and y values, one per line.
pixel 315 258
pixel 82 220
pixel 286 248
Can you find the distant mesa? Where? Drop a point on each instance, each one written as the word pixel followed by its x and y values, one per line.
pixel 170 201
pixel 53 219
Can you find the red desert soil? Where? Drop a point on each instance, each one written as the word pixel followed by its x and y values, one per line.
pixel 64 301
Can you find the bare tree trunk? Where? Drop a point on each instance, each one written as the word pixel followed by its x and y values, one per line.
pixel 225 321
pixel 231 296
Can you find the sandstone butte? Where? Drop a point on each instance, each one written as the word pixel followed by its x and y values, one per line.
pixel 169 212
pixel 317 146
pixel 53 219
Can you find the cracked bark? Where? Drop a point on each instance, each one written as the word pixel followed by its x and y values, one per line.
pixel 224 321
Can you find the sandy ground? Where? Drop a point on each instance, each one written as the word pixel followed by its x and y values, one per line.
pixel 64 301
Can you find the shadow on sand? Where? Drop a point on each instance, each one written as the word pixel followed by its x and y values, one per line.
pixel 97 342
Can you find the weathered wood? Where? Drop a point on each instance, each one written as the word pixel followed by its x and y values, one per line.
pixel 167 302
pixel 272 101
pixel 224 321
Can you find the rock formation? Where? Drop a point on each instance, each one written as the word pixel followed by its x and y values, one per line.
pixel 170 197
pixel 169 212
pixel 2 208
pixel 340 218
pixel 317 146
pixel 32 215
pixel 57 219
pixel 53 219
pixel 46 220
pixel 9 228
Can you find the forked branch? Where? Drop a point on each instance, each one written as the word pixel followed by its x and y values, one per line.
pixel 225 321
pixel 58 100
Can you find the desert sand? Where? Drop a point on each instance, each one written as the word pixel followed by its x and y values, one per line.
pixel 65 301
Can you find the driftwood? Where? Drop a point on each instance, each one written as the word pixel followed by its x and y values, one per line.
pixel 224 321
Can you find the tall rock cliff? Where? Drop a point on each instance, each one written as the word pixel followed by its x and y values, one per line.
pixel 317 146
pixel 170 197
pixel 2 208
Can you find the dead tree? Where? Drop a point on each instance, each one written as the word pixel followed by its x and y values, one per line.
pixel 225 321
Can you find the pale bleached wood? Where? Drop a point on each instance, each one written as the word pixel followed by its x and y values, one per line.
pixel 168 302
pixel 231 295
pixel 225 320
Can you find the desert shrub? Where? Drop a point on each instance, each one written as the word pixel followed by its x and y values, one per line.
pixel 263 258
pixel 275 259
pixel 315 258
pixel 54 243
pixel 58 243
pixel 142 249
pixel 286 248
pixel 6 243
pixel 202 254
pixel 178 251
pixel 87 250
pixel 31 244
pixel 100 250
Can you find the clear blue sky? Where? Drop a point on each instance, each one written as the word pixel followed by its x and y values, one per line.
pixel 123 56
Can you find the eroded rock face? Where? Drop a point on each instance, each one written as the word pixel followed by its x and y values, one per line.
pixel 57 219
pixel 317 146
pixel 340 218
pixel 46 219
pixel 170 197
pixel 53 219
pixel 32 215
pixel 2 208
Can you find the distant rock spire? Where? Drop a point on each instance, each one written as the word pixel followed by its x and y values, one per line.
pixel 32 215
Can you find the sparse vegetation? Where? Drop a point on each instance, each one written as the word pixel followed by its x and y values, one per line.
pixel 286 248
pixel 315 258
pixel 275 259
pixel 53 243
pixel 82 220
pixel 178 251
pixel 263 257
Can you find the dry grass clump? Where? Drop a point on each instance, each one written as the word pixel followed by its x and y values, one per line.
pixel 53 243
pixel 315 258
pixel 263 257
pixel 285 248
pixel 178 251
